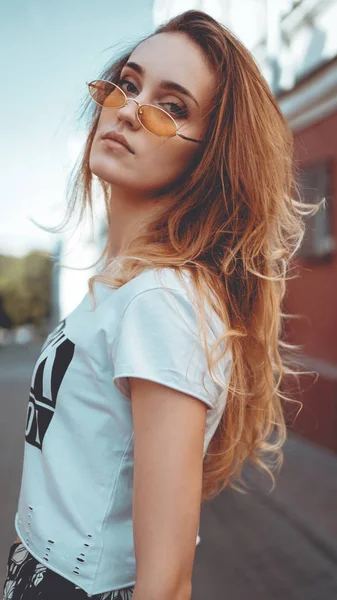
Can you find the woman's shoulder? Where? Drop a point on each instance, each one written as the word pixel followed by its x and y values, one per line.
pixel 162 288
pixel 156 278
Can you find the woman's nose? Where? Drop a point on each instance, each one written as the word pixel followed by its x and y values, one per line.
pixel 128 113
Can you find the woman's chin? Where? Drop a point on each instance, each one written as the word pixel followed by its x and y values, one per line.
pixel 107 168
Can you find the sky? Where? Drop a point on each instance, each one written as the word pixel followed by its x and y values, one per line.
pixel 48 51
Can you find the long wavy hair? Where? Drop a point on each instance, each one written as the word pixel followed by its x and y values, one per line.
pixel 235 221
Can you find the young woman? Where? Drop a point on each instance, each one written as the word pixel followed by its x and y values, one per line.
pixel 147 402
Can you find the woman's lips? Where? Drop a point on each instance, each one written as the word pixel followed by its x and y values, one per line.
pixel 116 145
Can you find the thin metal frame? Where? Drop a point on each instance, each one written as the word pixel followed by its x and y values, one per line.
pixel 138 109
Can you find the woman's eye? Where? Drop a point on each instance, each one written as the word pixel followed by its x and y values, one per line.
pixel 128 86
pixel 180 112
pixel 177 110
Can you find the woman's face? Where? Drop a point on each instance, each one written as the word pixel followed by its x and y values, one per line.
pixel 155 161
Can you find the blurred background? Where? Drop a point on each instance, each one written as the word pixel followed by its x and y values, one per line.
pixel 275 545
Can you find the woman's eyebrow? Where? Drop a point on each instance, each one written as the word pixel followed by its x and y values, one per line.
pixel 168 85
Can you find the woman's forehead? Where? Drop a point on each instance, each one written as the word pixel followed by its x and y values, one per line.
pixel 174 56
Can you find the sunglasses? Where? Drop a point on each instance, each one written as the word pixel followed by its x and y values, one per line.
pixel 153 118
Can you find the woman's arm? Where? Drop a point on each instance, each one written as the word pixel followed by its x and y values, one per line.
pixel 169 429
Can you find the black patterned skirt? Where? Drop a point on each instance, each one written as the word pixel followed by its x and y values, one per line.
pixel 27 579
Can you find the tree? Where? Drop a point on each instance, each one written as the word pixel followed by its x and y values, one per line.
pixel 25 287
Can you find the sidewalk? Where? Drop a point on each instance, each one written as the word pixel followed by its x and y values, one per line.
pixel 273 546
pixel 306 491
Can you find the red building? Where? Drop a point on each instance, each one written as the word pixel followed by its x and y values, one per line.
pixel 311 109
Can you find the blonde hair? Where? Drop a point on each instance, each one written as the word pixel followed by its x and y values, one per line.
pixel 234 226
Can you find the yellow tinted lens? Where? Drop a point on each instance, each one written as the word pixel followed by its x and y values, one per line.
pixel 106 94
pixel 157 121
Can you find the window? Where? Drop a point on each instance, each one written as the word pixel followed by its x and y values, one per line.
pixel 314 183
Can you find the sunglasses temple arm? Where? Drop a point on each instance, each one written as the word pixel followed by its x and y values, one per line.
pixel 189 139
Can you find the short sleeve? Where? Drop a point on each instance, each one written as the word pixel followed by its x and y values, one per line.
pixel 157 339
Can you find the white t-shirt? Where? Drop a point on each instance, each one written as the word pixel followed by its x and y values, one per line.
pixel 75 505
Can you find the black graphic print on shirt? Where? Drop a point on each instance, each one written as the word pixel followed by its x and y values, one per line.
pixel 50 369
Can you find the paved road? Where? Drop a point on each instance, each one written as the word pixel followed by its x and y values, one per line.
pixel 16 364
pixel 259 546
pixel 280 546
